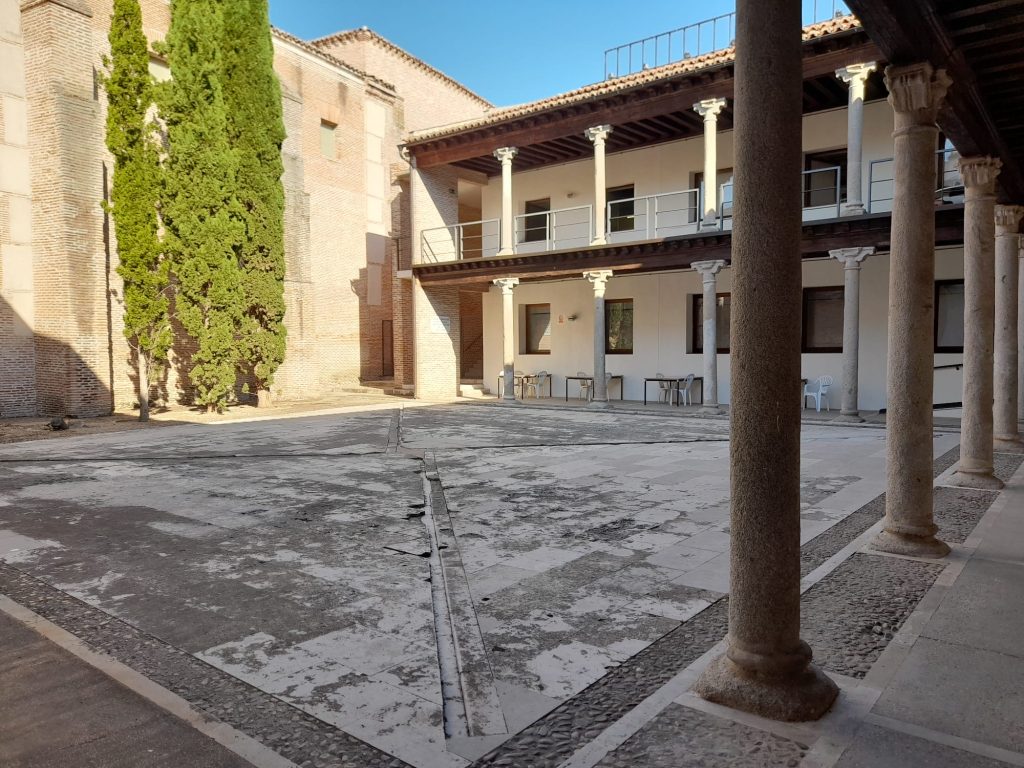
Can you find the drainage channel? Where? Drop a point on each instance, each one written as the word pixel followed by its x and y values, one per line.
pixel 470 699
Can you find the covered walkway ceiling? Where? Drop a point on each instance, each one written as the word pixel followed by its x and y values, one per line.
pixel 654 110
pixel 981 47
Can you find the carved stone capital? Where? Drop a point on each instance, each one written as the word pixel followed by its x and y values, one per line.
pixel 505 154
pixel 708 269
pixel 856 74
pixel 709 109
pixel 979 175
pixel 1008 219
pixel 916 91
pixel 851 258
pixel 506 284
pixel 598 134
pixel 599 279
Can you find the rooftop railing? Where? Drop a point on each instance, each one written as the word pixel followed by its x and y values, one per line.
pixel 696 39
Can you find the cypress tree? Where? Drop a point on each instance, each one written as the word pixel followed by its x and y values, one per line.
pixel 255 125
pixel 134 195
pixel 201 211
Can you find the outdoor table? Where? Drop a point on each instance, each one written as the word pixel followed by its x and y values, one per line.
pixel 696 379
pixel 622 384
pixel 518 382
pixel 530 377
pixel 670 380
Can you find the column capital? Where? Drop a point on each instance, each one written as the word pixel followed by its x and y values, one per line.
pixel 709 108
pixel 505 154
pixel 708 269
pixel 599 279
pixel 851 258
pixel 917 91
pixel 598 133
pixel 979 175
pixel 856 73
pixel 1008 219
pixel 506 284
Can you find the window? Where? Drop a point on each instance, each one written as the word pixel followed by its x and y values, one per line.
pixel 722 312
pixel 826 182
pixel 618 326
pixel 621 209
pixel 823 320
pixel 327 145
pixel 949 316
pixel 535 226
pixel 538 329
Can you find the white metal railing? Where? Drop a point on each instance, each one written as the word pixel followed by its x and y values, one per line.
pixel 469 240
pixel 651 216
pixel 821 196
pixel 552 230
pixel 949 185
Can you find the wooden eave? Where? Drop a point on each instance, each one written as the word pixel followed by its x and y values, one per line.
pixel 642 115
pixel 981 47
pixel 817 240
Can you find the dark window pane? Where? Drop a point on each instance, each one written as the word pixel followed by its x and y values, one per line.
pixel 949 316
pixel 621 209
pixel 823 320
pixel 618 326
pixel 826 179
pixel 538 329
pixel 722 319
pixel 535 228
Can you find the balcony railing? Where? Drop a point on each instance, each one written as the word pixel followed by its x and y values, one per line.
pixel 552 230
pixel 706 36
pixel 949 185
pixel 821 195
pixel 469 240
pixel 652 216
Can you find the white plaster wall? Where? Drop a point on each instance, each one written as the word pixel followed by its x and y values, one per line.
pixel 661 330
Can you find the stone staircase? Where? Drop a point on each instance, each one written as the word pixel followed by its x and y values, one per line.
pixel 473 388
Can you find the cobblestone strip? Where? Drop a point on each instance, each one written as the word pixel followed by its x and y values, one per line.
pixel 556 736
pixel 293 734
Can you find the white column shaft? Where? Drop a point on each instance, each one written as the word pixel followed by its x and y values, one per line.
pixel 508 348
pixel 599 279
pixel 507 245
pixel 710 168
pixel 1006 433
pixel 856 76
pixel 709 317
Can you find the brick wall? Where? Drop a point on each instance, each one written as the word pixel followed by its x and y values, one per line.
pixel 438 339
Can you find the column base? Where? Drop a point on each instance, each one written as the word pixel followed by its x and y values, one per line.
pixel 852 209
pixel 1008 443
pixel 709 225
pixel 599 404
pixel 983 480
pixel 599 241
pixel 711 410
pixel 908 544
pixel 853 417
pixel 800 697
pixel 505 252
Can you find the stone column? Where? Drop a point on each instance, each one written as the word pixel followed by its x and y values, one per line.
pixel 508 343
pixel 508 221
pixel 851 258
pixel 709 109
pixel 708 270
pixel 767 668
pixel 975 469
pixel 1007 357
pixel 599 135
pixel 1020 333
pixel 916 92
pixel 856 75
pixel 599 279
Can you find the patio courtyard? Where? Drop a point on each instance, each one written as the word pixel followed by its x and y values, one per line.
pixel 487 585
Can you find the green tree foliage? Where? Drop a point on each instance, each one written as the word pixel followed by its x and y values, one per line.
pixel 134 196
pixel 201 210
pixel 255 125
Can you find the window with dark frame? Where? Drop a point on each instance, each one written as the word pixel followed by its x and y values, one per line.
pixel 722 314
pixel 949 316
pixel 535 225
pixel 538 329
pixel 823 319
pixel 621 209
pixel 820 188
pixel 618 326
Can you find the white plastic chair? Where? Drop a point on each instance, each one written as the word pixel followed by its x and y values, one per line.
pixel 536 384
pixel 818 389
pixel 664 389
pixel 683 390
pixel 586 387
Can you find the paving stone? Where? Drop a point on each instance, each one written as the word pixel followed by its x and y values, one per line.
pixel 958 511
pixel 876 747
pixel 680 737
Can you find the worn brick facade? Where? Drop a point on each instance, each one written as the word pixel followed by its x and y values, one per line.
pixel 62 349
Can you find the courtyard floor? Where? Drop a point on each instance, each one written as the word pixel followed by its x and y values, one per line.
pixel 480 584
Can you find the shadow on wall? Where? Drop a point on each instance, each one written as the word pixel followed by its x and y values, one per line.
pixel 43 376
pixel 373 291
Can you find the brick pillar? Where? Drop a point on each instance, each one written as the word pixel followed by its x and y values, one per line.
pixel 73 335
pixel 437 340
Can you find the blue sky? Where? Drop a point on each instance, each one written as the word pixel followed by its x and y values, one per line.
pixel 508 53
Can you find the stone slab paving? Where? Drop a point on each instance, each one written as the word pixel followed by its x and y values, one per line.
pixel 875 747
pixel 284 564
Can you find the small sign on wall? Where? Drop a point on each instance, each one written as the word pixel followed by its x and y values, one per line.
pixel 441 324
